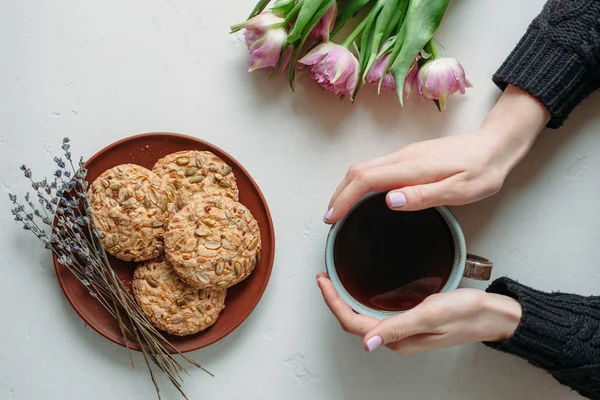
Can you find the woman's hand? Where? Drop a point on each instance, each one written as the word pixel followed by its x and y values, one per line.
pixel 453 170
pixel 442 320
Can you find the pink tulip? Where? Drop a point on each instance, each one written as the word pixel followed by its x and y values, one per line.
pixel 442 77
pixel 265 49
pixel 334 67
pixel 389 83
pixel 374 74
pixel 325 24
pixel 265 38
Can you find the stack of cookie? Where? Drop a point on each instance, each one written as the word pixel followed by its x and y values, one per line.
pixel 184 220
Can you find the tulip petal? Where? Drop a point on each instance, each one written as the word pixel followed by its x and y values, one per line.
pixel 316 55
pixel 265 50
pixel 250 35
pixel 334 67
pixel 374 74
pixel 440 78
pixel 325 25
pixel 410 80
pixel 351 83
pixel 340 70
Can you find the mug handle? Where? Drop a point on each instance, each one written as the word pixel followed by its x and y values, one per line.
pixel 478 268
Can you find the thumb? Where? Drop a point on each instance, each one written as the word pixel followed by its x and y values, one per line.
pixel 393 330
pixel 419 197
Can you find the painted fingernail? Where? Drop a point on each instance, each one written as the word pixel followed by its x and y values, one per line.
pixel 397 199
pixel 374 343
pixel 328 215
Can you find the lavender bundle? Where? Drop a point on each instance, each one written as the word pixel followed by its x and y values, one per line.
pixel 62 222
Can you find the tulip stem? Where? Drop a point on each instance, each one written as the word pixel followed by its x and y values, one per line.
pixel 431 49
pixel 355 33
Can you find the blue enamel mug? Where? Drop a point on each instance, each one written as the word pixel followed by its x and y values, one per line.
pixel 464 265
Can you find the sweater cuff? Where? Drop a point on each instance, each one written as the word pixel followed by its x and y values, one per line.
pixel 555 76
pixel 542 333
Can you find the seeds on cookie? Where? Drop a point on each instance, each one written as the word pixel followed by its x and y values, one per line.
pixel 130 205
pixel 213 242
pixel 194 172
pixel 170 304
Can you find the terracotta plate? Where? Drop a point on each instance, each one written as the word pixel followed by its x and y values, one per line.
pixel 145 150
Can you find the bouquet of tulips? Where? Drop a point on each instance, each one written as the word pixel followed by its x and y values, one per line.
pixel 391 45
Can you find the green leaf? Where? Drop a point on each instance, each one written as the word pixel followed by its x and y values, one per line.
pixel 387 47
pixel 303 36
pixel 399 15
pixel 384 20
pixel 398 41
pixel 348 10
pixel 423 18
pixel 367 37
pixel 292 13
pixel 365 44
pixel 307 12
pixel 283 7
pixel 260 6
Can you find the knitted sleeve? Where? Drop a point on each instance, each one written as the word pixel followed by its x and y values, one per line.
pixel 558 332
pixel 558 59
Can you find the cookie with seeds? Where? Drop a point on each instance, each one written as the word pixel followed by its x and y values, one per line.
pixel 170 304
pixel 194 172
pixel 130 207
pixel 213 242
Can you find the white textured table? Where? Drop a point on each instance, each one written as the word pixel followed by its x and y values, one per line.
pixel 98 71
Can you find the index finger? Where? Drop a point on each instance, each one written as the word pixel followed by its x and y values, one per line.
pixel 350 321
pixel 390 158
pixel 381 178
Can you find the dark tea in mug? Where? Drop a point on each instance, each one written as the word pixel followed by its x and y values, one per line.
pixel 392 260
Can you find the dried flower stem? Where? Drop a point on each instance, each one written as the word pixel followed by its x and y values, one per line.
pixel 75 241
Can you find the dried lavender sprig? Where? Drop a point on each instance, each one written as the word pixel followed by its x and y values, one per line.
pixel 72 245
pixel 77 244
pixel 76 247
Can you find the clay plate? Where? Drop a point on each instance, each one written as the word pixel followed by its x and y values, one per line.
pixel 145 150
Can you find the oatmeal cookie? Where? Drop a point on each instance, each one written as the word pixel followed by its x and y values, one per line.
pixel 196 172
pixel 213 242
pixel 170 304
pixel 130 206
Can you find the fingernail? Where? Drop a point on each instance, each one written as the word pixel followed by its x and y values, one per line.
pixel 374 343
pixel 328 215
pixel 397 199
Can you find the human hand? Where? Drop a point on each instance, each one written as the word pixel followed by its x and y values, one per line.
pixel 454 170
pixel 442 320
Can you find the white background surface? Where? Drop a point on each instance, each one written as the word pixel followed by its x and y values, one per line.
pixel 98 71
